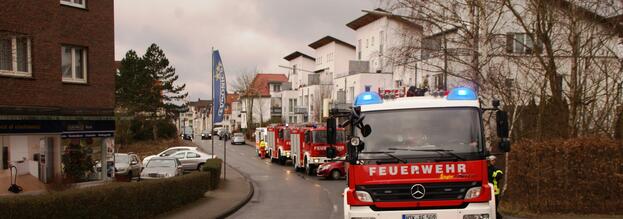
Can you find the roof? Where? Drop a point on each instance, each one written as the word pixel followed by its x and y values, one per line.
pixel 329 39
pixel 369 18
pixel 200 103
pixel 297 54
pixel 261 81
pixel 230 99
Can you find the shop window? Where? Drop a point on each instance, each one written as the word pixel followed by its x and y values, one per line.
pixel 82 158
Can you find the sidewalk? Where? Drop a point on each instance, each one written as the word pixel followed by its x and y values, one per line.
pixel 232 194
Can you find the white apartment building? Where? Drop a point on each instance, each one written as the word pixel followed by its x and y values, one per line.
pixel 197 116
pixel 377 37
pixel 301 67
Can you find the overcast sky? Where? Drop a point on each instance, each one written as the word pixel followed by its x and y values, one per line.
pixel 250 34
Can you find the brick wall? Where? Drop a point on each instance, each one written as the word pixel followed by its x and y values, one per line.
pixel 50 25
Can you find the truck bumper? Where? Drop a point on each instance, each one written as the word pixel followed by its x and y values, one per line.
pixel 286 154
pixel 471 209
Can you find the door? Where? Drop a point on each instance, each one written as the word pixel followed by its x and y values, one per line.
pixel 194 160
pixel 46 162
pixel 182 157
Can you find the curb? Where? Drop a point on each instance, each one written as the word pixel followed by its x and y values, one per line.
pixel 244 201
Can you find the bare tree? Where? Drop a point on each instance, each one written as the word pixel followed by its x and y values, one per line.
pixel 244 86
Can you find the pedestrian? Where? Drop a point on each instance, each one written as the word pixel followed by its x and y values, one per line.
pixel 495 176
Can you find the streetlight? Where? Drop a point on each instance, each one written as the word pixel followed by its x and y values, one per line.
pixel 441 31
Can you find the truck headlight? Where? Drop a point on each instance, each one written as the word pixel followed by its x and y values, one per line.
pixel 363 196
pixel 473 193
pixel 476 216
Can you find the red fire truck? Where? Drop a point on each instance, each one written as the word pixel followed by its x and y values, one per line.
pixel 420 157
pixel 309 147
pixel 278 143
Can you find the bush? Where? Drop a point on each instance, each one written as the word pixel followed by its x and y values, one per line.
pixel 117 200
pixel 143 129
pixel 214 166
pixel 565 176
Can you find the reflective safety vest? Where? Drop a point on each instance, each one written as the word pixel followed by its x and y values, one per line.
pixel 496 190
pixel 262 144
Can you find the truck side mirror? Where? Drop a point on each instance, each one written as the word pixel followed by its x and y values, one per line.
pixel 502 124
pixel 366 130
pixel 331 131
pixel 331 152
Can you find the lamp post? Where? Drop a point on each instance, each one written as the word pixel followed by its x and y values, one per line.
pixel 441 31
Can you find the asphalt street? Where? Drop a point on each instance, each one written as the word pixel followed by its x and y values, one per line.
pixel 280 191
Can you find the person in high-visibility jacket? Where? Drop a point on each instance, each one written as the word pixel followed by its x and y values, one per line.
pixel 262 148
pixel 495 176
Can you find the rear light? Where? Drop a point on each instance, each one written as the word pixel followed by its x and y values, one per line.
pixel 473 192
pixel 363 196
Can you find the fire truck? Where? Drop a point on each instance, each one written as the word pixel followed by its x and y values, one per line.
pixel 309 147
pixel 420 157
pixel 278 143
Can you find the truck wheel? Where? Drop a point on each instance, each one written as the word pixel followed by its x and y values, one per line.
pixel 282 160
pixel 309 170
pixel 335 174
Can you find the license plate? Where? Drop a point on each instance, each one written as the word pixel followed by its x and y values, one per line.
pixel 419 216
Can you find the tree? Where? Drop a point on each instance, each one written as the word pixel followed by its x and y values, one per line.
pixel 243 85
pixel 147 88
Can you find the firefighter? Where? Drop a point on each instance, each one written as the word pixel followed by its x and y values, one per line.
pixel 495 176
pixel 262 148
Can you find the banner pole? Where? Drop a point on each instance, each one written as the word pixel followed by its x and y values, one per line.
pixel 212 110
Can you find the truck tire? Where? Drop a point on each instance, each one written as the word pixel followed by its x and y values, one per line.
pixel 309 169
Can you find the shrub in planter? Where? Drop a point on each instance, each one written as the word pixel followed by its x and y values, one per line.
pixel 117 200
pixel 214 166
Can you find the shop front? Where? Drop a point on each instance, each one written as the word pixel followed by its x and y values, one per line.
pixel 44 151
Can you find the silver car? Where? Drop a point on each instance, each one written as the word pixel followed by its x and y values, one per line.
pixel 127 166
pixel 162 167
pixel 192 160
pixel 238 138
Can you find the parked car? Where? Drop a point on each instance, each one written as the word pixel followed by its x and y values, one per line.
pixel 127 166
pixel 238 138
pixel 162 167
pixel 332 170
pixel 192 160
pixel 206 135
pixel 168 152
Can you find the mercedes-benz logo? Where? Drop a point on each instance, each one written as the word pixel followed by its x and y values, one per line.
pixel 418 191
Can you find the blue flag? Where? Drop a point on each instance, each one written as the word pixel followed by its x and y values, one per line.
pixel 219 88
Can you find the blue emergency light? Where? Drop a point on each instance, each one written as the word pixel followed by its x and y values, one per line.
pixel 462 93
pixel 367 98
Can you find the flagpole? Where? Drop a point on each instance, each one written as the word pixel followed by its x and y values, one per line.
pixel 212 110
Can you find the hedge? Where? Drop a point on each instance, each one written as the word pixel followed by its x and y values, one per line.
pixel 116 200
pixel 214 166
pixel 578 176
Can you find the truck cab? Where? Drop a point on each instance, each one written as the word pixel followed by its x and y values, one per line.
pixel 309 147
pixel 422 157
pixel 279 144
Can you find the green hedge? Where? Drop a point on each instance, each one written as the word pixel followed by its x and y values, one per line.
pixel 214 166
pixel 580 176
pixel 116 200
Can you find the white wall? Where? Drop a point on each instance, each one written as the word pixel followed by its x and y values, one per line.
pixel 335 58
pixel 355 84
pixel 304 66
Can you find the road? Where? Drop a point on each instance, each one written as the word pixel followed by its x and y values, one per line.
pixel 280 191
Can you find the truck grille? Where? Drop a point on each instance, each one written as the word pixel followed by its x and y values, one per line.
pixel 434 191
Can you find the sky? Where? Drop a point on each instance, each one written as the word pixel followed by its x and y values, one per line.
pixel 250 34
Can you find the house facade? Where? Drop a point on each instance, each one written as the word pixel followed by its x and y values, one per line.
pixel 57 76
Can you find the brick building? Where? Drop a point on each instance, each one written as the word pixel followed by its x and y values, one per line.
pixel 57 84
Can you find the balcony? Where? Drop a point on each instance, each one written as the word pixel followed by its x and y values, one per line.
pixel 275 111
pixel 300 110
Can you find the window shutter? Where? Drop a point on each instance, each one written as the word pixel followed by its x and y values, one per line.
pixel 509 42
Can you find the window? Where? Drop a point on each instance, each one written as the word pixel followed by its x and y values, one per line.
pixel 521 43
pixel 180 155
pixel 15 56
pixel 367 43
pixel 381 39
pixel 438 81
pixel 372 43
pixel 74 64
pixel 75 3
pixel 294 69
pixel 359 50
pixel 192 155
pixel 276 87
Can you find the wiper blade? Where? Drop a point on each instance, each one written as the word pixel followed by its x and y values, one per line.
pixel 440 151
pixel 388 153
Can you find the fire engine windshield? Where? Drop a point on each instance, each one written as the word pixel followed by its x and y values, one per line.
pixel 419 131
pixel 320 137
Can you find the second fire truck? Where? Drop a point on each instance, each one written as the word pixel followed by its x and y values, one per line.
pixel 309 147
pixel 278 143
